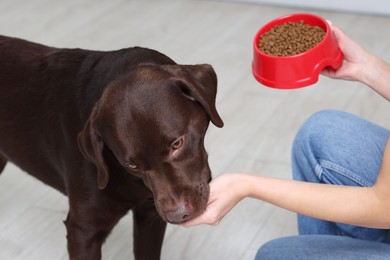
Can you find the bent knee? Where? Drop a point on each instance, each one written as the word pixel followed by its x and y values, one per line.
pixel 326 128
pixel 321 123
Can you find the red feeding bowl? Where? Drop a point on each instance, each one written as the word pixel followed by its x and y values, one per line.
pixel 300 70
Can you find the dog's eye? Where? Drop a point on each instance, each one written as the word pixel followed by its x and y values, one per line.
pixel 131 166
pixel 178 143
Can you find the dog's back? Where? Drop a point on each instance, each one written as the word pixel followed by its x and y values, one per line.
pixel 36 97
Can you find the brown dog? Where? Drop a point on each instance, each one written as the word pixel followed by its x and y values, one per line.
pixel 113 131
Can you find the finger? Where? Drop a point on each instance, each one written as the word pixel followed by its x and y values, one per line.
pixel 209 217
pixel 337 32
pixel 194 222
pixel 328 72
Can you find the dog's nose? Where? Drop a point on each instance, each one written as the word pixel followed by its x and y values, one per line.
pixel 181 213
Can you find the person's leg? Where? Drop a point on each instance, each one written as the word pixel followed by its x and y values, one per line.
pixel 317 247
pixel 334 147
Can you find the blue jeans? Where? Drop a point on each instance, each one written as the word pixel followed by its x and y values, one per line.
pixel 336 148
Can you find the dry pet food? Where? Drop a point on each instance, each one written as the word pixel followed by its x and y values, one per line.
pixel 290 38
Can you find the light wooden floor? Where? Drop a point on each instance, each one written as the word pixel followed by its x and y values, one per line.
pixel 260 122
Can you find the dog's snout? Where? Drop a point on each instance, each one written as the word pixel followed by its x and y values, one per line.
pixel 187 203
pixel 182 212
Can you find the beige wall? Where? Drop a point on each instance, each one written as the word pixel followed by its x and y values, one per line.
pixel 381 7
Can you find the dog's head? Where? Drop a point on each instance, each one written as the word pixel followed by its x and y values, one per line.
pixel 154 121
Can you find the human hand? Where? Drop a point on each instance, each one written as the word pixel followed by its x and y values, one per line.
pixel 225 192
pixel 355 59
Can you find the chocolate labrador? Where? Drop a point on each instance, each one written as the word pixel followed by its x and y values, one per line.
pixel 113 131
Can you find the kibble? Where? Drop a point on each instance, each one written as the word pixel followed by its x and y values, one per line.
pixel 290 38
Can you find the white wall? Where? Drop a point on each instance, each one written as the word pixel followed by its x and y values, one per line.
pixel 381 7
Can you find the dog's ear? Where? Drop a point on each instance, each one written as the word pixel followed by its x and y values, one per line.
pixel 199 83
pixel 91 146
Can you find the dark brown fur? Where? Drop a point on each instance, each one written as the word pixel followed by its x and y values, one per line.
pixel 103 129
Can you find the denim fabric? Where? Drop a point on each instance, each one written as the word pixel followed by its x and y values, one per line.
pixel 323 247
pixel 337 148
